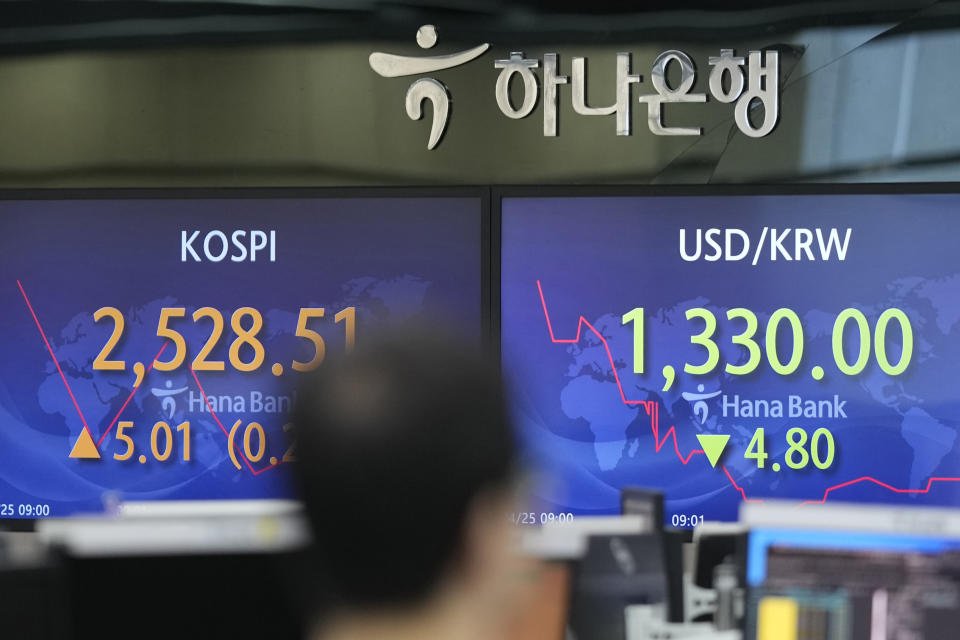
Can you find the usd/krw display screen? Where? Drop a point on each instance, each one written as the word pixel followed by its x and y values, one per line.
pixel 151 346
pixel 734 348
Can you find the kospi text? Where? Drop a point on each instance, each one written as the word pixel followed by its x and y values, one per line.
pixel 215 245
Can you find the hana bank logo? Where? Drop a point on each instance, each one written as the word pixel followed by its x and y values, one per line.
pixel 167 396
pixel 699 401
pixel 390 65
pixel 749 83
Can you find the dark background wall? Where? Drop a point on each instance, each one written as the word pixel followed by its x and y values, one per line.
pixel 246 94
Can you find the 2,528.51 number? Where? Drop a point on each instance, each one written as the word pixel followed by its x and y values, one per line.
pixel 244 336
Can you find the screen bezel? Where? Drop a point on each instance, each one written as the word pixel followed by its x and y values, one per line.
pixel 480 194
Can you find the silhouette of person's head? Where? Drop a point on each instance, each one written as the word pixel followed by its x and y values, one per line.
pixel 405 455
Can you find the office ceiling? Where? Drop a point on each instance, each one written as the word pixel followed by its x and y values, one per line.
pixel 43 26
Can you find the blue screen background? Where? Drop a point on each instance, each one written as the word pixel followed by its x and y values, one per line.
pixel 601 257
pixel 394 259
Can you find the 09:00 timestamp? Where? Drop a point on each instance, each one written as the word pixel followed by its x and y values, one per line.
pixel 10 510
pixel 534 518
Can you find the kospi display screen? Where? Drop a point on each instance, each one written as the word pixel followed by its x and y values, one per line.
pixel 150 346
pixel 731 348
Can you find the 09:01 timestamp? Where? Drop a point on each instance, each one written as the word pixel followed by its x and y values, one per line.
pixel 684 520
pixel 10 510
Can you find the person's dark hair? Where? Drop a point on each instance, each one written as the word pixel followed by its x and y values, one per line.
pixel 394 442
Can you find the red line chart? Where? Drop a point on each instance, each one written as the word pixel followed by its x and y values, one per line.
pixel 54 358
pixel 133 391
pixel 130 397
pixel 652 408
pixel 224 429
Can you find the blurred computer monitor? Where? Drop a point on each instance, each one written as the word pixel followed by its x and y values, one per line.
pixel 645 503
pixel 33 599
pixel 717 543
pixel 648 504
pixel 840 516
pixel 183 570
pixel 565 546
pixel 568 540
pixel 836 584
pixel 616 571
